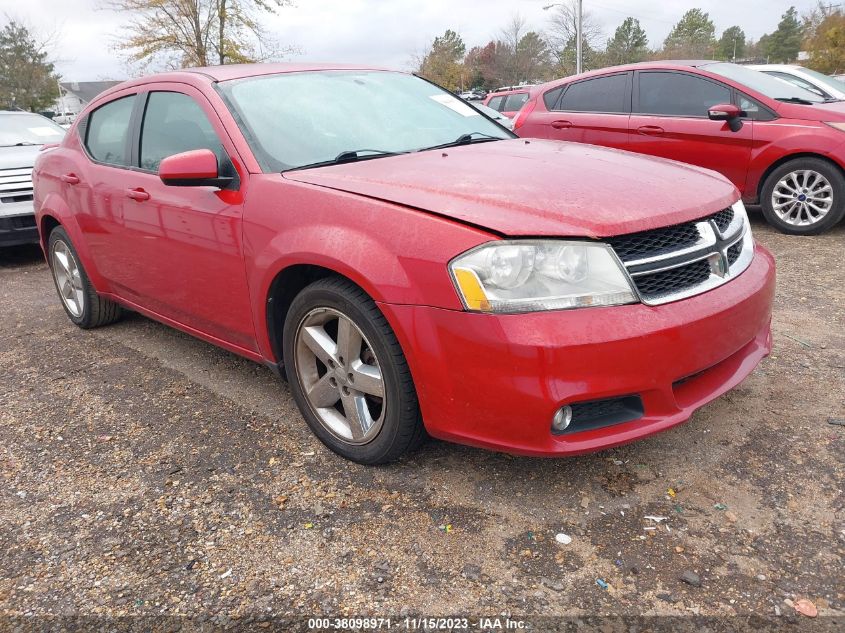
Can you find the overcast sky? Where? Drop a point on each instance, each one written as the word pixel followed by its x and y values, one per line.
pixel 377 32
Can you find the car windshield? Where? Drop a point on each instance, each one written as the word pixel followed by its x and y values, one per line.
pixel 761 82
pixel 825 80
pixel 23 128
pixel 299 119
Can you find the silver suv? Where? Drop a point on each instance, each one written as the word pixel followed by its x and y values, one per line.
pixel 22 135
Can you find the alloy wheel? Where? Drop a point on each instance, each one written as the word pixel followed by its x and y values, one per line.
pixel 340 375
pixel 802 197
pixel 68 278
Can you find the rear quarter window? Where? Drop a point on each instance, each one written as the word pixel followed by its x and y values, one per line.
pixel 551 98
pixel 514 102
pixel 496 103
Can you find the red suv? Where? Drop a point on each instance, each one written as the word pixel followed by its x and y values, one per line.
pixel 410 265
pixel 782 146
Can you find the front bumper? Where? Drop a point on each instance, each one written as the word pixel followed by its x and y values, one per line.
pixel 495 381
pixel 18 229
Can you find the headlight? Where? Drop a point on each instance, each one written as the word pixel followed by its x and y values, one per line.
pixel 837 125
pixel 534 275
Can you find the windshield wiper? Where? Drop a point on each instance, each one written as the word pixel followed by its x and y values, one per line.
pixel 796 100
pixel 466 139
pixel 21 144
pixel 349 156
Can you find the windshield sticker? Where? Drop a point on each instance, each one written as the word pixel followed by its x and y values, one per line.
pixel 453 103
pixel 43 131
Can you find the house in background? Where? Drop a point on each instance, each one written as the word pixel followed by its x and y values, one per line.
pixel 75 95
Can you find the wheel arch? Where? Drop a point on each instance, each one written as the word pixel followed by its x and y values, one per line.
pixel 788 158
pixel 284 288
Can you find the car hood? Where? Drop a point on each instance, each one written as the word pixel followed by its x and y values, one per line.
pixel 536 187
pixel 18 157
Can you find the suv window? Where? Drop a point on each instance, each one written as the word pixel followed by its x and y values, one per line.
pixel 175 123
pixel 550 98
pixel 602 94
pixel 515 102
pixel 496 103
pixel 679 94
pixel 108 129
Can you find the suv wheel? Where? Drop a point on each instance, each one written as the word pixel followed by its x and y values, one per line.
pixel 805 196
pixel 79 299
pixel 348 374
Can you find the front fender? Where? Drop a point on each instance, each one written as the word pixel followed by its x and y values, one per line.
pixel 395 254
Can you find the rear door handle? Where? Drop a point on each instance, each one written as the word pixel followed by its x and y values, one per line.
pixel 71 179
pixel 650 130
pixel 137 194
pixel 561 125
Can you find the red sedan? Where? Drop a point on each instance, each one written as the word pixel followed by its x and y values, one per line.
pixel 782 146
pixel 410 265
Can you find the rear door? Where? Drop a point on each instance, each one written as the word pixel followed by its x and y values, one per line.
pixel 594 111
pixel 670 120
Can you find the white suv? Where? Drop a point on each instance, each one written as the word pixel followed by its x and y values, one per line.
pixel 22 135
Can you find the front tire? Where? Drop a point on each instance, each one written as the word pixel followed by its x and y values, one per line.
pixel 348 374
pixel 805 196
pixel 79 298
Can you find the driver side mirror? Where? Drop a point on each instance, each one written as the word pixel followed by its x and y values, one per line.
pixel 196 168
pixel 726 112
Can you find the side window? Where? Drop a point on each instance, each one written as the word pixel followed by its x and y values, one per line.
pixel 603 94
pixel 175 123
pixel 753 110
pixel 678 94
pixel 515 102
pixel 107 130
pixel 496 103
pixel 550 98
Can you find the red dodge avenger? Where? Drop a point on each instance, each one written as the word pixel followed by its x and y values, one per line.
pixel 412 267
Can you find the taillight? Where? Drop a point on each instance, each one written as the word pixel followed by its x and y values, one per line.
pixel 522 115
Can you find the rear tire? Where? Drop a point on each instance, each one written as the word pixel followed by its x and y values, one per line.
pixel 80 300
pixel 805 196
pixel 348 374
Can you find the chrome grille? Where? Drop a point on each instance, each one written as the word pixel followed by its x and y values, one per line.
pixel 15 185
pixel 675 262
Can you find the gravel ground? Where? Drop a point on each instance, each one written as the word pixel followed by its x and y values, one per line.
pixel 144 472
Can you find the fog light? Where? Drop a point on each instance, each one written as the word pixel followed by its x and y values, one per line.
pixel 562 418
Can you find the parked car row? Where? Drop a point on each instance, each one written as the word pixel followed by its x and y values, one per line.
pixel 783 146
pixel 408 264
pixel 22 135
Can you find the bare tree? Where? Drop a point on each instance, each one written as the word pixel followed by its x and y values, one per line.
pixel 563 27
pixel 183 33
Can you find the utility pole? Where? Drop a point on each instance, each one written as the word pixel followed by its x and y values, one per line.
pixel 734 56
pixel 578 37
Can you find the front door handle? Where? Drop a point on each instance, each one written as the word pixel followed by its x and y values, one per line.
pixel 137 194
pixel 650 130
pixel 71 179
pixel 561 125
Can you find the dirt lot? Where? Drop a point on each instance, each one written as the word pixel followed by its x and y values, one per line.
pixel 145 472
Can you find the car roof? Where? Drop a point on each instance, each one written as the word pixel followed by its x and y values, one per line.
pixel 213 74
pixel 665 64
pixel 775 66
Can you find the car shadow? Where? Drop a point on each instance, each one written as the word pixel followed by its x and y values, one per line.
pixel 17 256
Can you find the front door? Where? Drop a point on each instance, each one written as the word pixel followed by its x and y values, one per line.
pixel 670 120
pixel 185 243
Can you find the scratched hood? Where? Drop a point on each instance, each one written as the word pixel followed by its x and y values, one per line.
pixel 536 188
